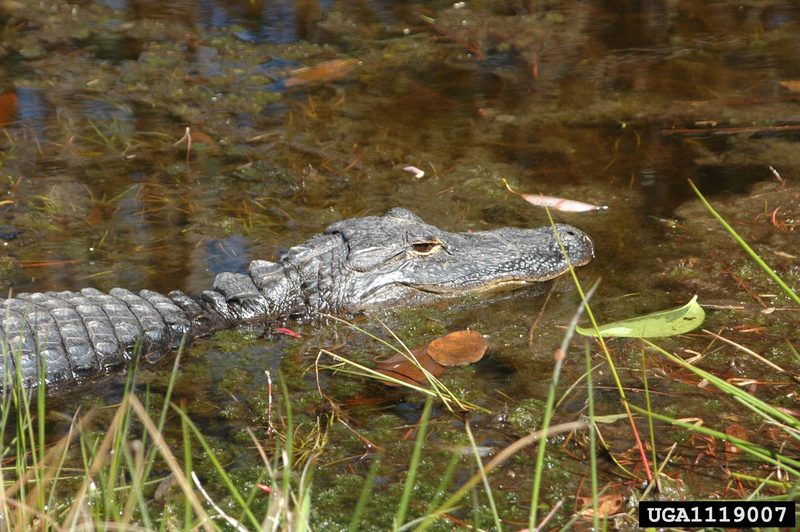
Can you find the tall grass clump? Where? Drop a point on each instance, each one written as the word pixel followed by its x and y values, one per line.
pixel 130 476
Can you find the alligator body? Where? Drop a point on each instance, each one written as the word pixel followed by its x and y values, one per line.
pixel 354 265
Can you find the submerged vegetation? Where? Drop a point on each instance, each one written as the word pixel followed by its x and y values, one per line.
pixel 144 152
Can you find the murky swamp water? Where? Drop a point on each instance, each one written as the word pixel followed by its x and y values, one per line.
pixel 611 102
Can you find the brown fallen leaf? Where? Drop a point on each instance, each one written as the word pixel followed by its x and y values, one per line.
pixel 198 137
pixel 791 84
pixel 458 348
pixel 400 368
pixel 321 72
pixel 737 431
pixel 553 202
pixel 608 504
pixel 8 107
pixel 194 137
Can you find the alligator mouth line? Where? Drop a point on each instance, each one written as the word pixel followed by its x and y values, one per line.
pixel 499 284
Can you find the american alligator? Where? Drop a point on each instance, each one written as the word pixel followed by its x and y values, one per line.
pixel 354 265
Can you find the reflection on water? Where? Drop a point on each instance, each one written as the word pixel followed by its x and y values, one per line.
pixel 276 22
pixel 610 102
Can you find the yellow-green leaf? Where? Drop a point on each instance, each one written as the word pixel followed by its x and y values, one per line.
pixel 663 323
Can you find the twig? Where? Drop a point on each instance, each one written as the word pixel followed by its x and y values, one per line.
pixel 230 520
pixel 753 354
pixel 777 175
pixel 549 516
pixel 728 130
pixel 539 316
pixel 270 428
pixel 188 138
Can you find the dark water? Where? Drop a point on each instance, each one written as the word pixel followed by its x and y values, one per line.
pixel 611 102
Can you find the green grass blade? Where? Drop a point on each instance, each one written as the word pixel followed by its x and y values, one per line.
pixel 288 450
pixel 165 407
pixel 444 482
pixel 486 486
pixel 188 468
pixel 766 410
pixel 402 509
pixel 650 427
pixel 550 405
pixel 789 464
pixel 363 498
pixel 763 265
pixel 592 440
pixel 229 485
pixel 303 505
pixel 609 360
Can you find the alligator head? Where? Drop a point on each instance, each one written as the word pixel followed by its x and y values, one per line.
pixel 398 257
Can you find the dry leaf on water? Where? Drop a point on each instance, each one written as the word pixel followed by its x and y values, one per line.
pixel 401 368
pixel 454 349
pixel 458 348
pixel 321 72
pixel 791 84
pixel 552 202
pixel 8 107
pixel 608 504
pixel 736 431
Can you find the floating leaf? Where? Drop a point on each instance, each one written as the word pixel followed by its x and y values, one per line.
pixel 321 72
pixel 8 107
pixel 736 431
pixel 458 348
pixel 401 368
pixel 286 332
pixel 664 323
pixel 552 202
pixel 198 137
pixel 791 84
pixel 608 504
pixel 419 174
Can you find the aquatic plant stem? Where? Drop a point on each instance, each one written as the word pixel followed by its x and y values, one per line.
pixel 790 465
pixel 765 410
pixel 363 498
pixel 498 460
pixel 763 265
pixel 560 355
pixel 592 439
pixel 612 367
pixel 400 517
pixel 151 457
pixel 651 428
pixel 177 471
pixel 444 482
pixel 41 401
pixel 486 486
pixel 188 469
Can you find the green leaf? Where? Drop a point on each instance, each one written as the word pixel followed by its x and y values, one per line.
pixel 663 323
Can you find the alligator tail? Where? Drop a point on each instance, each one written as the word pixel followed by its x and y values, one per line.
pixel 66 336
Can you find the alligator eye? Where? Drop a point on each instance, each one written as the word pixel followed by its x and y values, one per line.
pixel 426 248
